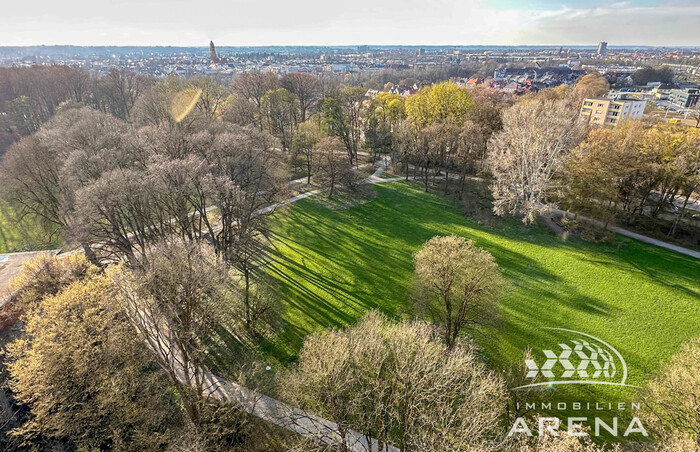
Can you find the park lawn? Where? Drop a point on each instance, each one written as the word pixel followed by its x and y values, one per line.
pixel 332 266
pixel 22 236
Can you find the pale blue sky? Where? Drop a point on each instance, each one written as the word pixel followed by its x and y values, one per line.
pixel 333 22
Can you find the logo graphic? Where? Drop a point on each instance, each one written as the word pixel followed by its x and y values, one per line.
pixel 585 359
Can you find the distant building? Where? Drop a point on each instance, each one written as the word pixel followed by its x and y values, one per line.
pixel 213 57
pixel 602 48
pixel 684 98
pixel 607 111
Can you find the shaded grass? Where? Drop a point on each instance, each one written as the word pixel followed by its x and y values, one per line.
pixel 332 266
pixel 25 235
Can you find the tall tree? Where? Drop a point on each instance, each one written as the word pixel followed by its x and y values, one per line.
pixel 254 85
pixel 304 145
pixel 342 118
pixel 119 90
pixel 175 299
pixel 332 168
pixel 306 88
pixel 456 285
pixel 528 152
pixel 280 108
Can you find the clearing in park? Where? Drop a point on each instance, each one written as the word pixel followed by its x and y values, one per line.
pixel 333 265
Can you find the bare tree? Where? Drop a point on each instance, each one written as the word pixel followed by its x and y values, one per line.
pixel 280 109
pixel 119 90
pixel 175 299
pixel 254 85
pixel 456 285
pixel 118 216
pixel 30 180
pixel 239 110
pixel 247 176
pixel 528 152
pixel 395 383
pixel 332 167
pixel 307 89
pixel 303 146
pixel 672 398
pixel 471 152
pixel 342 117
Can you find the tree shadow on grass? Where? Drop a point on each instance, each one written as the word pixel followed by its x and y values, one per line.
pixel 335 266
pixel 663 267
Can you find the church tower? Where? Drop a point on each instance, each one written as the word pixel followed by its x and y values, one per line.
pixel 212 53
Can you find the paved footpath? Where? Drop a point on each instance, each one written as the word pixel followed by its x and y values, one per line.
pixel 11 264
pixel 618 230
pixel 634 235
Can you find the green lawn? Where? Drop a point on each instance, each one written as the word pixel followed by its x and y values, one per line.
pixel 21 236
pixel 334 265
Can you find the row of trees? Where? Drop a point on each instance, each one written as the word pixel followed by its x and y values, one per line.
pixel 634 171
pixel 30 96
pixel 116 189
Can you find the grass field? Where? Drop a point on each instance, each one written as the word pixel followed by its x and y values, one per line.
pixel 334 265
pixel 24 236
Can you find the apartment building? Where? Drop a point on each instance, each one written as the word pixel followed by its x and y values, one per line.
pixel 610 111
pixel 684 98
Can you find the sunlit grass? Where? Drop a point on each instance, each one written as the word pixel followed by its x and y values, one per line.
pixel 24 235
pixel 332 266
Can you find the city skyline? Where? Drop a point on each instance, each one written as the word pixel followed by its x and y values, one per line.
pixel 470 22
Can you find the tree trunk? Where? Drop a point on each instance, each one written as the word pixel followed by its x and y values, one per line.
pixel 679 216
pixel 246 275
pixel 308 170
pixel 90 254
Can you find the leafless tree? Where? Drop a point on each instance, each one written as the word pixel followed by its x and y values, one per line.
pixel 307 89
pixel 456 285
pixel 332 166
pixel 528 152
pixel 280 109
pixel 247 176
pixel 672 398
pixel 254 85
pixel 29 179
pixel 175 299
pixel 119 90
pixel 304 145
pixel 395 383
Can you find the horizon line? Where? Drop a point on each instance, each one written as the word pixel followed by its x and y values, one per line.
pixel 620 46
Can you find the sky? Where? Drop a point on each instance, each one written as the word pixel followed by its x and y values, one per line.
pixel 333 22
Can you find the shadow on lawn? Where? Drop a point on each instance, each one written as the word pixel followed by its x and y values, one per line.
pixel 665 268
pixel 333 266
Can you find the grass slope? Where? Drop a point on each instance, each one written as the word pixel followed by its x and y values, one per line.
pixel 334 265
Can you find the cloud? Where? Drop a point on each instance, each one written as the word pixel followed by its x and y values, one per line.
pixel 319 22
pixel 619 24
